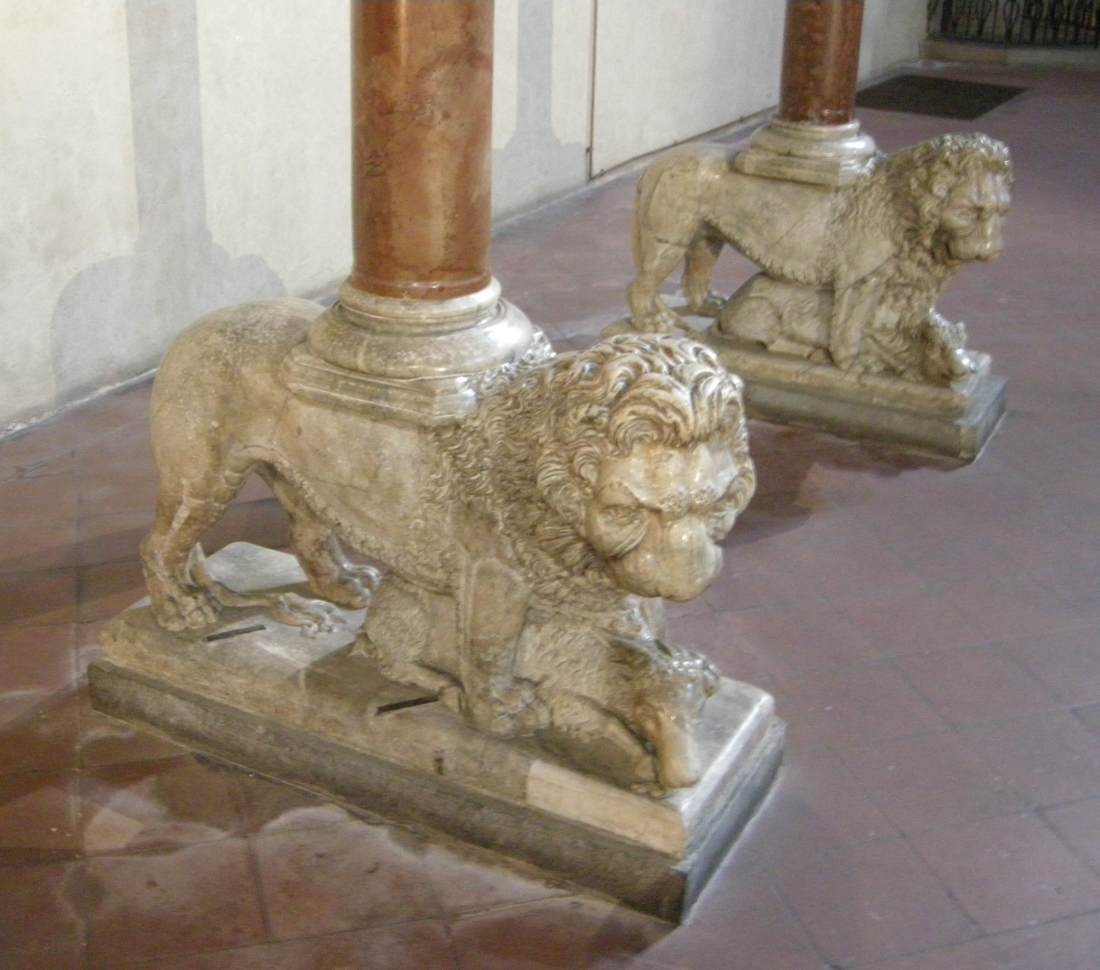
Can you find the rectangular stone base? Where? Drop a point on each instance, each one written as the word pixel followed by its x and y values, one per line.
pixel 314 713
pixel 955 421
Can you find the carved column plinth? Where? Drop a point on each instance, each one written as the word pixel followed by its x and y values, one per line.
pixel 814 136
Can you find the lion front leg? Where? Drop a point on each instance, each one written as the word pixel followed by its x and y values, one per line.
pixel 184 513
pixel 493 609
pixel 656 261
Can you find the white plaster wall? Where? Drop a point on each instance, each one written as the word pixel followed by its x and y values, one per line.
pixel 542 91
pixel 892 32
pixel 276 115
pixel 66 177
pixel 668 71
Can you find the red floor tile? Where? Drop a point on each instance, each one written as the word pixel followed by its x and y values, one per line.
pixel 341 878
pixel 911 621
pixel 109 588
pixel 41 598
pixel 1068 944
pixel 1009 872
pixel 422 945
pixel 40 908
pixel 111 536
pixel 39 817
pixel 1067 662
pixel 816 806
pixel 155 905
pixel 270 807
pixel 38 731
pixel 871 902
pixel 938 780
pixel 69 957
pixel 156 804
pixel 570 932
pixel 469 882
pixel 851 708
pixel 977 955
pixel 976 684
pixel 37 660
pixel 1078 824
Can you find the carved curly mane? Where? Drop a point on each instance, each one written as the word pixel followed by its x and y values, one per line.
pixel 920 179
pixel 902 199
pixel 530 455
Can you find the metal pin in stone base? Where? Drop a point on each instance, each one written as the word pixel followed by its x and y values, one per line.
pixel 315 713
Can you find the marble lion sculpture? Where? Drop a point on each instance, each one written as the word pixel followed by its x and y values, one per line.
pixel 851 276
pixel 533 540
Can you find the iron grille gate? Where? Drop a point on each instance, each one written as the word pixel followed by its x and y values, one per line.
pixel 1049 23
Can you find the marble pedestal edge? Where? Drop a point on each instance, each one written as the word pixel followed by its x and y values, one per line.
pixel 955 422
pixel 305 712
pixel 644 879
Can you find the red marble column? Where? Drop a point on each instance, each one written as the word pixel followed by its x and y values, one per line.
pixel 820 61
pixel 422 93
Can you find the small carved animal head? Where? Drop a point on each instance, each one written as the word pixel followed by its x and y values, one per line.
pixel 959 187
pixel 671 686
pixel 646 459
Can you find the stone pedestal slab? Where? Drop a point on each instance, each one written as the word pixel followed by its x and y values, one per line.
pixel 314 711
pixel 956 420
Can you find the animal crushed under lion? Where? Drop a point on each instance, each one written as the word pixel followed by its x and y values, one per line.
pixel 850 276
pixel 526 548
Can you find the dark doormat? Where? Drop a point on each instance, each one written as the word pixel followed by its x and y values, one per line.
pixel 939 96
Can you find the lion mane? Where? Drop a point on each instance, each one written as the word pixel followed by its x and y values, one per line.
pixel 903 200
pixel 528 458
pixel 920 179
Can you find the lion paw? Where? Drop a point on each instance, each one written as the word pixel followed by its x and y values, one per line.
pixel 186 610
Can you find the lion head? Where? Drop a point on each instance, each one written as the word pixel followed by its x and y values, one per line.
pixel 626 465
pixel 957 190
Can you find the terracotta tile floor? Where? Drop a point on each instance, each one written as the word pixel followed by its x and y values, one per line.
pixel 930 632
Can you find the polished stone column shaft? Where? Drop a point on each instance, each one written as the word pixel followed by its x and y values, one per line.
pixel 820 61
pixel 422 95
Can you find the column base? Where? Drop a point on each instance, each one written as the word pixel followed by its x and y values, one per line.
pixel 411 360
pixel 315 713
pixel 416 339
pixel 833 155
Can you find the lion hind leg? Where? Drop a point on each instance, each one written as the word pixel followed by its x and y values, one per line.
pixel 699 263
pixel 185 510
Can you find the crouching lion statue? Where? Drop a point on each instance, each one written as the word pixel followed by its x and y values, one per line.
pixel 525 549
pixel 851 275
